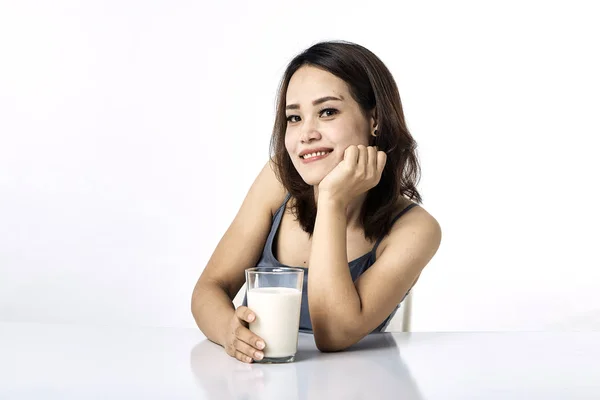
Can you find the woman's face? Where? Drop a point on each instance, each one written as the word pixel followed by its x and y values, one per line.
pixel 322 118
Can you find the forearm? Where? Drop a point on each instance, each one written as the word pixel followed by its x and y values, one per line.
pixel 213 310
pixel 333 300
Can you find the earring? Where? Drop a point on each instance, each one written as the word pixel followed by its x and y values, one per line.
pixel 374 133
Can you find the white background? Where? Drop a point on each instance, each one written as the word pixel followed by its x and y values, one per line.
pixel 130 132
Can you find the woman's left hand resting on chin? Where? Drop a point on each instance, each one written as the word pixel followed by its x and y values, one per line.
pixel 359 171
pixel 342 311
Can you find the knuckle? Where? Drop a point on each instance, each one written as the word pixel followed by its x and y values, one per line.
pixel 230 349
pixel 238 330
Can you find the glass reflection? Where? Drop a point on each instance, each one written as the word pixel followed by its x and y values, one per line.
pixel 371 369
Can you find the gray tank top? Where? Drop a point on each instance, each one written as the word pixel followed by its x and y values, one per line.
pixel 357 267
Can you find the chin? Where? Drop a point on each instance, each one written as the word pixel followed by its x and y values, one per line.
pixel 311 179
pixel 311 175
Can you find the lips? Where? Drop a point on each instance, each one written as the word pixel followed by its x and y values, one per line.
pixel 315 150
pixel 316 156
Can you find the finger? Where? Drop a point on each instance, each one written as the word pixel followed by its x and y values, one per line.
pixel 372 162
pixel 246 349
pixel 363 159
pixel 247 336
pixel 351 155
pixel 245 314
pixel 381 160
pixel 242 357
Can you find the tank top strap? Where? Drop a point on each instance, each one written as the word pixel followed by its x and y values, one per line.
pixel 396 218
pixel 277 217
pixel 279 212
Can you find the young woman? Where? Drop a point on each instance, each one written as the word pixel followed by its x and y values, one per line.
pixel 338 198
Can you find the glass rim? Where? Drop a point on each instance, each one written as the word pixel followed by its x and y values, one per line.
pixel 273 270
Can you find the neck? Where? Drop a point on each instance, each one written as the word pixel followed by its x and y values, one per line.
pixel 352 210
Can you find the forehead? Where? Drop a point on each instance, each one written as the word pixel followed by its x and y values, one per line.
pixel 309 83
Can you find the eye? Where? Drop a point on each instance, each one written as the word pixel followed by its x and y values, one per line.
pixel 292 118
pixel 328 112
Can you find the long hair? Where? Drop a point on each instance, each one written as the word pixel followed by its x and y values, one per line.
pixel 373 88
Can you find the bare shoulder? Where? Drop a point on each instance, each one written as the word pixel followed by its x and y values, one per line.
pixel 268 188
pixel 415 227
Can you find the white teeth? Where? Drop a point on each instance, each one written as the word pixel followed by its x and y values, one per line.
pixel 319 153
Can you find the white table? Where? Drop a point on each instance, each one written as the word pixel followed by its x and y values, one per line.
pixel 75 362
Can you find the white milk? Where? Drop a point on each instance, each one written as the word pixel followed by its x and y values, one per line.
pixel 277 320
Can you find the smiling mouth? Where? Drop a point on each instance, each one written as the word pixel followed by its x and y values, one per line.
pixel 318 154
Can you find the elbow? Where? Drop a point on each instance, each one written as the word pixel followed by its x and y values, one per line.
pixel 334 340
pixel 194 305
pixel 336 332
pixel 332 346
pixel 194 298
pixel 198 297
pixel 328 347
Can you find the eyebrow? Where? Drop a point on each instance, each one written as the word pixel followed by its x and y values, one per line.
pixel 315 102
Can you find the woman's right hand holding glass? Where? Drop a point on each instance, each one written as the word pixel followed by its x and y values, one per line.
pixel 240 342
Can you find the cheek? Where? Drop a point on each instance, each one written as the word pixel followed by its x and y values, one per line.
pixel 340 133
pixel 361 134
pixel 351 134
pixel 290 147
pixel 288 144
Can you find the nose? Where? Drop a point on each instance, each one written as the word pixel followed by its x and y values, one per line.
pixel 309 133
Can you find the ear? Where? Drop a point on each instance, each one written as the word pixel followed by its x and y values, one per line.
pixel 373 127
pixel 373 119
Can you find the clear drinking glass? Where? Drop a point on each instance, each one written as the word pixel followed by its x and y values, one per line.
pixel 275 295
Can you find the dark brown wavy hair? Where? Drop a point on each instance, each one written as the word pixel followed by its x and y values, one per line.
pixel 374 89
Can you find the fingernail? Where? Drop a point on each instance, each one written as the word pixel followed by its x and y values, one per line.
pixel 258 355
pixel 260 345
pixel 251 317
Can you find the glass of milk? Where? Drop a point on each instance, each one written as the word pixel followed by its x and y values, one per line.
pixel 275 295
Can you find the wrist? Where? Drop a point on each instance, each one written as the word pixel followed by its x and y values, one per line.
pixel 225 329
pixel 329 202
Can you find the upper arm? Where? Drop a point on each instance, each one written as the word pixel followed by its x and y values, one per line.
pixel 242 244
pixel 412 243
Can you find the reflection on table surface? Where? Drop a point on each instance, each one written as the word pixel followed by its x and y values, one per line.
pixel 60 361
pixel 372 369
